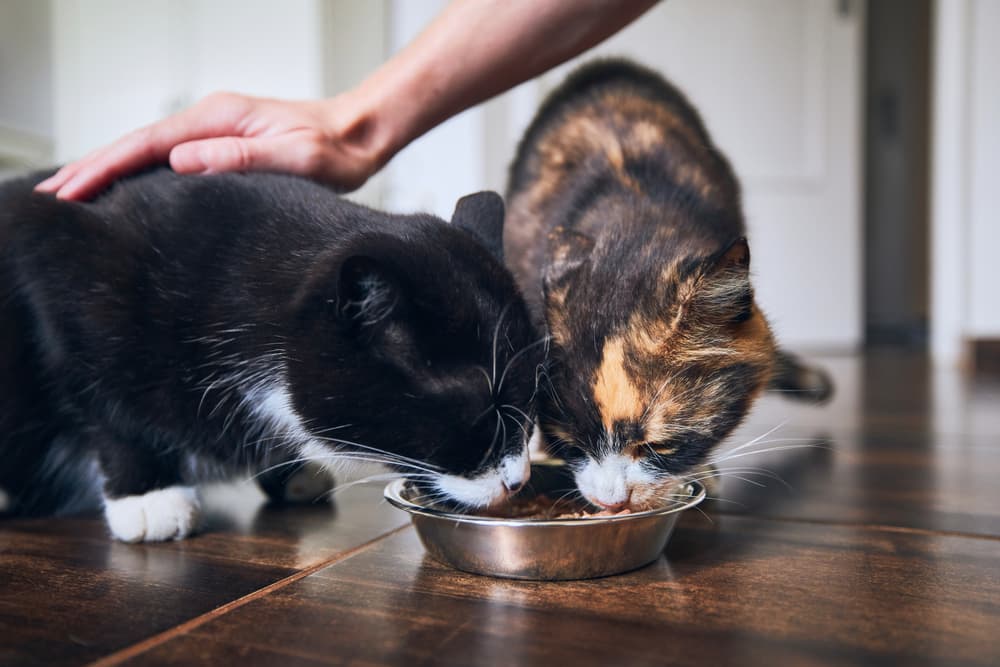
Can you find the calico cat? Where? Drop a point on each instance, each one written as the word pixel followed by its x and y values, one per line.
pixel 626 233
pixel 180 328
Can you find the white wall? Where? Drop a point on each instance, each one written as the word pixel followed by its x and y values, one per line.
pixel 25 83
pixel 123 64
pixel 965 227
pixel 779 83
pixel 449 161
pixel 984 179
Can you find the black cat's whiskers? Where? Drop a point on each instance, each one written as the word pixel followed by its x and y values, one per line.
pixel 345 457
pixel 493 443
pixel 496 339
pixel 544 374
pixel 489 380
pixel 372 479
pixel 520 424
pixel 399 458
pixel 517 355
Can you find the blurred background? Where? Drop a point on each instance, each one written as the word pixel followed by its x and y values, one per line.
pixel 865 133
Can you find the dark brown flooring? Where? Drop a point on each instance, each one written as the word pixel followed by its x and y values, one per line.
pixel 880 545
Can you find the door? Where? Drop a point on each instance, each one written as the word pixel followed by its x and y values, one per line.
pixel 779 84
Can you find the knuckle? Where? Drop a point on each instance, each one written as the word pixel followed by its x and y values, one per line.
pixel 224 98
pixel 243 156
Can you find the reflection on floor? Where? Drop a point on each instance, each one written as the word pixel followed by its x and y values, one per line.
pixel 866 531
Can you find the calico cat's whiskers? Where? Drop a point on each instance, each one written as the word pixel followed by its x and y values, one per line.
pixel 738 473
pixel 757 439
pixel 801 443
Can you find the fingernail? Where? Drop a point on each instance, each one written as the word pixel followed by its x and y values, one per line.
pixel 46 185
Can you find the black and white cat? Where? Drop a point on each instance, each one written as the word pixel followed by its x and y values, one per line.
pixel 185 328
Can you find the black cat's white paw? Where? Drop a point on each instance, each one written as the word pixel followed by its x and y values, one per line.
pixel 165 514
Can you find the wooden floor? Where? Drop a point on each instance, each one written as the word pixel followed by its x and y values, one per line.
pixel 880 546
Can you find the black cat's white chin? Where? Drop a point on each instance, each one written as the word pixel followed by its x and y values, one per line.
pixel 488 488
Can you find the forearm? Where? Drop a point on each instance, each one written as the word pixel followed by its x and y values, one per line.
pixel 473 50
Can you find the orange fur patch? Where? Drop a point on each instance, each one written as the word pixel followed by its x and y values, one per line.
pixel 615 394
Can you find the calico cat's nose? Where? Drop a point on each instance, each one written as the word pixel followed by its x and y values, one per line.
pixel 614 507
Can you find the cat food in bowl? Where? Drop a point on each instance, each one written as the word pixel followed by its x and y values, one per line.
pixel 542 535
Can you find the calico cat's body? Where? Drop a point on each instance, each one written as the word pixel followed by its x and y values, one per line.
pixel 625 230
pixel 185 327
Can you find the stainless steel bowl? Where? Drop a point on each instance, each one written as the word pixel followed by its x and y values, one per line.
pixel 545 549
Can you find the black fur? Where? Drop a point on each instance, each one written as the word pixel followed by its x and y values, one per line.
pixel 145 329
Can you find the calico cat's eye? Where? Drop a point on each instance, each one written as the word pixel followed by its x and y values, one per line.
pixel 659 450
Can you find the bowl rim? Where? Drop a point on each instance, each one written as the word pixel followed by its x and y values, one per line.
pixel 394 494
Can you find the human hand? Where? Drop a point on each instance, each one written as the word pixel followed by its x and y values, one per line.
pixel 330 141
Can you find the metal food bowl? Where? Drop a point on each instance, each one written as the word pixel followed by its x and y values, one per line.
pixel 544 549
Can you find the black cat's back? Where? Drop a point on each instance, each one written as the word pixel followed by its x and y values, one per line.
pixel 180 326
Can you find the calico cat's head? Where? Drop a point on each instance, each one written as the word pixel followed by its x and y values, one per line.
pixel 416 349
pixel 650 368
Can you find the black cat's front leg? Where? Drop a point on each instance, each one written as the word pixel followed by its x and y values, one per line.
pixel 296 482
pixel 145 499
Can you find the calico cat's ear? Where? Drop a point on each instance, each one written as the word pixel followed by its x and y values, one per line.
pixel 568 250
pixel 735 257
pixel 481 214
pixel 367 292
pixel 800 381
pixel 724 291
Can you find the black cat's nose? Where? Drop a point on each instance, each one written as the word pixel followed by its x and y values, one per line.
pixel 514 487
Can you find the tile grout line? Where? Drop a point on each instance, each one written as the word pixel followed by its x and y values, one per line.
pixel 888 528
pixel 121 655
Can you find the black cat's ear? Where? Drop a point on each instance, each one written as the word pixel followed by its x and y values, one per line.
pixel 481 214
pixel 367 293
pixel 725 291
pixel 568 251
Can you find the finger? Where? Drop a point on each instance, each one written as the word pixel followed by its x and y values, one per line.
pixel 66 172
pixel 151 145
pixel 291 153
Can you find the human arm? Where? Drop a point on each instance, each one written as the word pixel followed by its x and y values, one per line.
pixel 473 50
